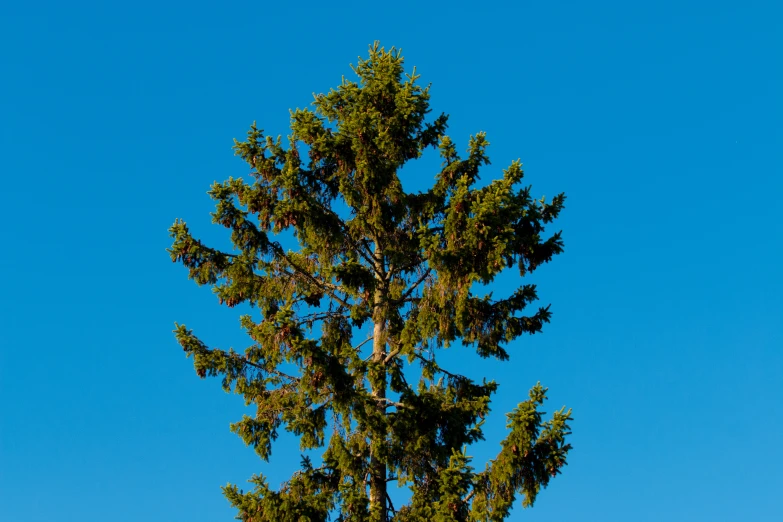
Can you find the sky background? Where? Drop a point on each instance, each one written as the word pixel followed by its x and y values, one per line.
pixel 661 121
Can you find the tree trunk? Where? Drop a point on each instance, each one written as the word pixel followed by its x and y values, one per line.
pixel 378 493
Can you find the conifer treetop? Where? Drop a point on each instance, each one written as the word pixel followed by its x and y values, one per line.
pixel 345 330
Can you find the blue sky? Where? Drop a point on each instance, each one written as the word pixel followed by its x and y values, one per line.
pixel 660 120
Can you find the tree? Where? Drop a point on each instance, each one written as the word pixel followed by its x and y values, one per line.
pixel 345 340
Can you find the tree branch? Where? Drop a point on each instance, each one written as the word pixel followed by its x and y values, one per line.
pixel 391 506
pixel 327 288
pixel 366 254
pixel 438 369
pixel 413 287
pixel 467 499
pixel 390 402
pixel 363 342
pixel 244 361
pixel 391 355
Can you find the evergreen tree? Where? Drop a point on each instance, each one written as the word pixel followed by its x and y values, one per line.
pixel 345 341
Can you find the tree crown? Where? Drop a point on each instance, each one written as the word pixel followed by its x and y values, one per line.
pixel 371 253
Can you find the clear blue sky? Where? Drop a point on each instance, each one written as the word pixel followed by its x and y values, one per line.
pixel 662 121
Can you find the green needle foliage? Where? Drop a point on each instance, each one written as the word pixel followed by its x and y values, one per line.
pixel 345 342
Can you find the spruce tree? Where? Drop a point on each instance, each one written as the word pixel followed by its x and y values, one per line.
pixel 345 331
